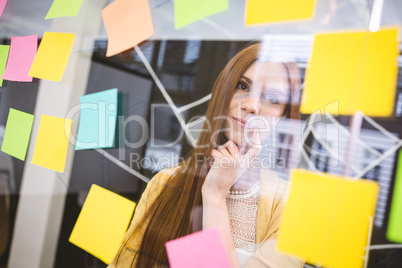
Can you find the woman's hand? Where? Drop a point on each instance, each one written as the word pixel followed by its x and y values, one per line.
pixel 227 167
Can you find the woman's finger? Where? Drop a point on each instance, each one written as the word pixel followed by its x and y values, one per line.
pixel 231 147
pixel 256 147
pixel 242 150
pixel 224 151
pixel 219 158
pixel 216 154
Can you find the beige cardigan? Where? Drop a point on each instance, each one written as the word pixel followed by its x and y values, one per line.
pixel 272 192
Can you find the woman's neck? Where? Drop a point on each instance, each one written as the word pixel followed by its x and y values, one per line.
pixel 249 178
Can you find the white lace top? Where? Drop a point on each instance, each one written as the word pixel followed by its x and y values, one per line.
pixel 242 208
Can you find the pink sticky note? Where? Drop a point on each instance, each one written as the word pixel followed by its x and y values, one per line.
pixel 127 23
pixel 2 6
pixel 22 53
pixel 203 249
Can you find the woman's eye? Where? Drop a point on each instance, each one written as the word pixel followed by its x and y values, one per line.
pixel 242 86
pixel 271 98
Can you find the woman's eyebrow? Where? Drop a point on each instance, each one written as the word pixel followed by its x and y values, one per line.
pixel 248 80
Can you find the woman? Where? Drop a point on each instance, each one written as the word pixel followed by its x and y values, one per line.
pixel 212 186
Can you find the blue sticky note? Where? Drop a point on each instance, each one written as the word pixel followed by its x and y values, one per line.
pixel 97 125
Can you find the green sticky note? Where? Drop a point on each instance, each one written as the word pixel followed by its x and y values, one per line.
pixel 394 231
pixel 64 8
pixel 189 11
pixel 4 49
pixel 17 134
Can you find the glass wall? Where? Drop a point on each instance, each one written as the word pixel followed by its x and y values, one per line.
pixel 165 85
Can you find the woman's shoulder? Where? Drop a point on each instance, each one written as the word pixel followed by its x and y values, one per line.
pixel 160 180
pixel 164 175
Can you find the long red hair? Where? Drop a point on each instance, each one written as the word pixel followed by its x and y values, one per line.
pixel 167 221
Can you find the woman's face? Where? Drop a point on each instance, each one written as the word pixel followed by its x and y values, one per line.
pixel 259 101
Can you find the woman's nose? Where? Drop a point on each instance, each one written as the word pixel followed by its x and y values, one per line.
pixel 251 104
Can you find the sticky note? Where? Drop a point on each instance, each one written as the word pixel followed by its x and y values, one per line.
pixel 22 54
pixel 97 125
pixel 189 11
pixel 64 8
pixel 200 249
pixel 52 56
pixel 127 23
pixel 357 69
pixel 268 11
pixel 52 143
pixel 326 219
pixel 102 223
pixel 17 134
pixel 2 6
pixel 4 49
pixel 394 231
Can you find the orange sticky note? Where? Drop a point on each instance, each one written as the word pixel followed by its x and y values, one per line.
pixel 268 11
pixel 356 69
pixel 52 143
pixel 52 56
pixel 102 223
pixel 127 23
pixel 326 219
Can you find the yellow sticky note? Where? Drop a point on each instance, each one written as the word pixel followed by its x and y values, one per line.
pixel 326 219
pixel 102 223
pixel 268 11
pixel 358 70
pixel 53 53
pixel 52 143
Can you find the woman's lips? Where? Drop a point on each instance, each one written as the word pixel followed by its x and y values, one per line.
pixel 241 123
pixel 250 124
